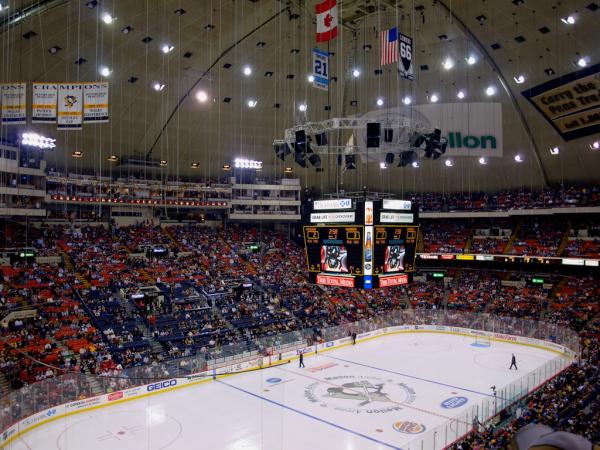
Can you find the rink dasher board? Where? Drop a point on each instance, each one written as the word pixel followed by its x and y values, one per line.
pixel 68 409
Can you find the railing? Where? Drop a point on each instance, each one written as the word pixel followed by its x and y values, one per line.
pixel 40 396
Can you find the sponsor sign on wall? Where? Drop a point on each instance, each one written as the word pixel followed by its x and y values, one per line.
pixel 14 103
pixel 393 280
pixel 332 217
pixel 472 129
pixel 332 280
pixel 389 203
pixel 570 103
pixel 390 217
pixel 95 102
pixel 70 106
pixel 45 97
pixel 338 203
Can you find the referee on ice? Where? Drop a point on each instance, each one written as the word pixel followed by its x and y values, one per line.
pixel 513 362
pixel 301 360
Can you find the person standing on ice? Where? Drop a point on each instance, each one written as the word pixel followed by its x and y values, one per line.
pixel 301 360
pixel 513 362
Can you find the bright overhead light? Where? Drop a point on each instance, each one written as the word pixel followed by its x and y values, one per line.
pixel 158 86
pixel 568 20
pixel 302 107
pixel 311 78
pixel 554 150
pixel 380 101
pixel 482 161
pixel 243 163
pixel 471 59
pixel 163 163
pixel 434 98
pixel 407 100
pixel 201 96
pixel 252 103
pixel 595 145
pixel 195 165
pixel 490 90
pixel 107 18
pixel 448 63
pixel 113 158
pixel 77 154
pixel 38 141
pixel 105 71
pixel 383 165
pixel 461 94
pixel 415 164
pixel 247 71
pixel 288 170
pixel 167 48
pixel 519 79
pixel 448 163
pixel 582 62
pixel 518 158
pixel 356 73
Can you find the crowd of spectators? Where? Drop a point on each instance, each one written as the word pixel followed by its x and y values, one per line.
pixel 217 292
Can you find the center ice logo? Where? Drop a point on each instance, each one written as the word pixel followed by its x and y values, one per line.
pixel 356 394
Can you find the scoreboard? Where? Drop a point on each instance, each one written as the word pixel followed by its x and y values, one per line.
pixel 367 244
pixel 334 252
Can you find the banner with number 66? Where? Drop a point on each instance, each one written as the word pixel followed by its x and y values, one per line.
pixel 320 69
pixel 405 62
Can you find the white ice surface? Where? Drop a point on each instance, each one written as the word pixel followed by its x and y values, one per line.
pixel 400 379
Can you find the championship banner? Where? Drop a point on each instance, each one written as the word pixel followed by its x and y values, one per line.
pixel 45 96
pixel 405 63
pixel 95 102
pixel 14 103
pixel 321 69
pixel 571 103
pixel 70 106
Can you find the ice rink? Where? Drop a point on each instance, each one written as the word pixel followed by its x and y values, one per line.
pixel 384 393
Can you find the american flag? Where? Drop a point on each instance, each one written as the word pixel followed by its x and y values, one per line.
pixel 389 46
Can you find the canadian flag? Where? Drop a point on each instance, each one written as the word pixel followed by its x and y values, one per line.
pixel 327 21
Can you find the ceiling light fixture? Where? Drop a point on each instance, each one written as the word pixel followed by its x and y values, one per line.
pixel 163 163
pixel 201 96
pixel 407 100
pixel 519 79
pixel 126 30
pixel 105 71
pixel 243 163
pixel 380 101
pixel 226 167
pixel 471 59
pixel 195 165
pixel 356 73
pixel 158 86
pixel 490 90
pixel 448 163
pixel 247 71
pixel 311 78
pixel 568 20
pixel 595 145
pixel 461 94
pixel 518 158
pixel 302 107
pixel 482 161
pixel 434 98
pixel 383 165
pixel 113 158
pixel 107 18
pixel 583 61
pixel 448 63
pixel 77 154
pixel 288 170
pixel 167 48
pixel 252 103
pixel 415 164
pixel 554 150
pixel 38 141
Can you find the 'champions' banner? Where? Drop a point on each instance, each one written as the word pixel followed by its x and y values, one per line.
pixel 45 97
pixel 70 106
pixel 14 98
pixel 95 102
